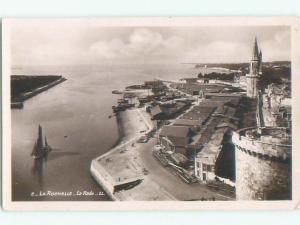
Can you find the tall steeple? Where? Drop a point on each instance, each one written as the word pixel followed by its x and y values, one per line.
pixel 255 70
pixel 260 54
pixel 255 52
pixel 260 61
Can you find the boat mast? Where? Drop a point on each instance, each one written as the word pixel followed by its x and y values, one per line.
pixel 40 143
pixel 46 144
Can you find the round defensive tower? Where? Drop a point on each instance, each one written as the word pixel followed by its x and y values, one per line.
pixel 263 163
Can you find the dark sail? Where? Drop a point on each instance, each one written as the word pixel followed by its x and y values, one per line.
pixel 46 144
pixel 47 147
pixel 35 151
pixel 40 148
pixel 40 143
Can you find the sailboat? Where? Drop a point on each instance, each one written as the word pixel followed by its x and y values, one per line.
pixel 40 150
pixel 35 152
pixel 47 147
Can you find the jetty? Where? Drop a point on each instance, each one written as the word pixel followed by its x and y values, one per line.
pixel 24 87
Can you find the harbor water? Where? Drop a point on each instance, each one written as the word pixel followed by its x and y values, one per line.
pixel 74 116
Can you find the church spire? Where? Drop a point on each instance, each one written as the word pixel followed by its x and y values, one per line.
pixel 255 71
pixel 255 52
pixel 260 54
pixel 260 61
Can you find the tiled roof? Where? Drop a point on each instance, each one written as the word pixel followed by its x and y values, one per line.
pixel 187 122
pixel 179 141
pixel 155 110
pixel 175 131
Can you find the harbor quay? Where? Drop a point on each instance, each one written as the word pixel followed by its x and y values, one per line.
pixel 121 168
pixel 131 172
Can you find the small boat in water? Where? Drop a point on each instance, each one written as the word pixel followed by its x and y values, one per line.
pixel 117 92
pixel 41 147
pixel 122 107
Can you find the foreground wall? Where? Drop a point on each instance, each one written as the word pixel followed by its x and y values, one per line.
pixel 260 176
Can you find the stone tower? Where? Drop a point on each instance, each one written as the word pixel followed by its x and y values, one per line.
pixel 255 71
pixel 263 164
pixel 262 153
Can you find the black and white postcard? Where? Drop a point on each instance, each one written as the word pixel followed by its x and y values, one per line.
pixel 150 113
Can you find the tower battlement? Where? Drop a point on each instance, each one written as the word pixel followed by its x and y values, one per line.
pixel 265 143
pixel 263 165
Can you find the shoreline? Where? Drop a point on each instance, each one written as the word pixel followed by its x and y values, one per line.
pixel 121 133
pixel 120 139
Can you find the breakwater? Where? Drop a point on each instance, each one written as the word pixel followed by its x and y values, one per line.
pixel 18 101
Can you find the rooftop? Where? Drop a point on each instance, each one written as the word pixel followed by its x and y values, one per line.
pixel 275 135
pixel 187 122
pixel 199 113
pixel 175 131
pixel 212 148
pixel 169 108
pixel 180 141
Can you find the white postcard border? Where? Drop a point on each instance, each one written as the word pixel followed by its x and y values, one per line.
pixel 154 205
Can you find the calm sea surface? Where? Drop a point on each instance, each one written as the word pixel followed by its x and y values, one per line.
pixel 74 116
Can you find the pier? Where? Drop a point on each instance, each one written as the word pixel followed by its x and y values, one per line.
pixel 17 102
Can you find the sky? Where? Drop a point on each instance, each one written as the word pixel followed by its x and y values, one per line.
pixel 53 42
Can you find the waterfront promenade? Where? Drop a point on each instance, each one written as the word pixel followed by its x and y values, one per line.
pixel 123 165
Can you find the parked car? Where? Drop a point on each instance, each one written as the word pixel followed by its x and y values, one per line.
pixel 143 139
